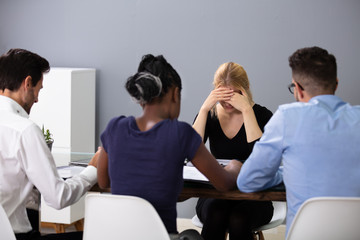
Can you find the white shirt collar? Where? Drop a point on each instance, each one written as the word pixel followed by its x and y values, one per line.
pixel 10 104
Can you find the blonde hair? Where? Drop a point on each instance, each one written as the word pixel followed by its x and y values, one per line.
pixel 234 75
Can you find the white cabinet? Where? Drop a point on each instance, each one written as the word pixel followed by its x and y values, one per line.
pixel 66 215
pixel 67 108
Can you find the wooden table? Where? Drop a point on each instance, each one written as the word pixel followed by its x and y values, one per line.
pixel 196 189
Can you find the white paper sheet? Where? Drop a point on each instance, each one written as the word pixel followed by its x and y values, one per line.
pixel 69 171
pixel 192 173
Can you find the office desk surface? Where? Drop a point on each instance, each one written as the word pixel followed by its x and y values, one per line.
pixel 196 189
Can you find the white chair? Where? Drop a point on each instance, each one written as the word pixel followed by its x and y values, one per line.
pixel 278 218
pixel 330 218
pixel 110 216
pixel 196 221
pixel 6 231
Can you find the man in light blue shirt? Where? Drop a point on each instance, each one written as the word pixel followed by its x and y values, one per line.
pixel 316 139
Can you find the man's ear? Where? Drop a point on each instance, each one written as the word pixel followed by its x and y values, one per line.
pixel 27 82
pixel 300 91
pixel 337 84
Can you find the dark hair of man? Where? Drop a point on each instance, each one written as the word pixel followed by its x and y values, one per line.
pixel 154 78
pixel 315 70
pixel 17 64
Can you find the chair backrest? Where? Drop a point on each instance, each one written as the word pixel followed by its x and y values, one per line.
pixel 6 231
pixel 110 216
pixel 330 218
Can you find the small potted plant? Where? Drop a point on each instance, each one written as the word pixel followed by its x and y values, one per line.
pixel 48 137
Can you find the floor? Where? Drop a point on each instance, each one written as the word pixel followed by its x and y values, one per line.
pixel 183 224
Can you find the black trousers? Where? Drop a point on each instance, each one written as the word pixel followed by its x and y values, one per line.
pixel 59 236
pixel 238 218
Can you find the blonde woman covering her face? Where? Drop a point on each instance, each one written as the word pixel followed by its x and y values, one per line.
pixel 232 92
pixel 232 122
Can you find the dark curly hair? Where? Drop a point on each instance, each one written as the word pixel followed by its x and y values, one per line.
pixel 154 78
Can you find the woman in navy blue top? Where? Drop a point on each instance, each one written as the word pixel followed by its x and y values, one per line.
pixel 144 156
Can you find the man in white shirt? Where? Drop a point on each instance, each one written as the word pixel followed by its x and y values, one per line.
pixel 25 159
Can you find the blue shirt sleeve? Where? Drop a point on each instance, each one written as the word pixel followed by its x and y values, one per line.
pixel 262 168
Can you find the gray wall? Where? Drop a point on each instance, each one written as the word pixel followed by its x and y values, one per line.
pixel 195 37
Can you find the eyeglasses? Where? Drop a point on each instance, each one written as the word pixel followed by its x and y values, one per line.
pixel 292 86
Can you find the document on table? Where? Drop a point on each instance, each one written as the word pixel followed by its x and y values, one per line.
pixel 69 171
pixel 191 173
